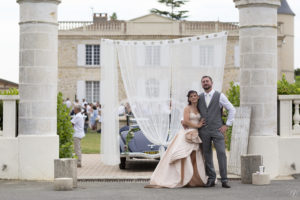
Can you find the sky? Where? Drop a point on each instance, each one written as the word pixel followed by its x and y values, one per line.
pixel 81 10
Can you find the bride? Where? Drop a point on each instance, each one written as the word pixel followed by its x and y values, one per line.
pixel 182 164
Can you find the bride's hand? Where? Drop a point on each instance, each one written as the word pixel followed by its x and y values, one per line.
pixel 201 123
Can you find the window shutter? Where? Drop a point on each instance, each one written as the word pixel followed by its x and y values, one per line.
pixel 195 55
pixel 80 90
pixel 140 55
pixel 141 87
pixel 164 89
pixel 100 91
pixel 237 56
pixel 81 54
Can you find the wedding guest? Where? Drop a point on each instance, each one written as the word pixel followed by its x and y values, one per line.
pixel 86 118
pixel 76 102
pixel 93 117
pixel 83 102
pixel 121 110
pixel 68 103
pixel 78 124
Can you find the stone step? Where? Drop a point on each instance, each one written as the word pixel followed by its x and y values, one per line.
pixel 63 184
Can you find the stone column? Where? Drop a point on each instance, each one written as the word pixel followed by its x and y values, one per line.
pixel 38 141
pixel 258 51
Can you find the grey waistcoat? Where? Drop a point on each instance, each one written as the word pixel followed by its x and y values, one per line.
pixel 212 114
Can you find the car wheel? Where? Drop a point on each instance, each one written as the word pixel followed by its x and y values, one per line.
pixel 122 165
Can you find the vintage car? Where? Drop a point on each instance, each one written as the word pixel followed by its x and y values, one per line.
pixel 134 145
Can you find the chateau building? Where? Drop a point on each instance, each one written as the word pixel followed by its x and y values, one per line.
pixel 5 84
pixel 79 64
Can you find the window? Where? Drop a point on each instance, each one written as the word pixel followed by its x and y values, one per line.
pixel 152 88
pixel 206 55
pixel 92 54
pixel 152 55
pixel 92 89
pixel 237 56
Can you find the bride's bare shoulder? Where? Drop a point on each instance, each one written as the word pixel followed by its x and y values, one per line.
pixel 187 109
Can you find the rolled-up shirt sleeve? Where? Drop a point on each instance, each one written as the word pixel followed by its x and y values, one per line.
pixel 224 102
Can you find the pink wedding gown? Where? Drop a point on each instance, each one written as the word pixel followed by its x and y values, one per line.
pixel 182 164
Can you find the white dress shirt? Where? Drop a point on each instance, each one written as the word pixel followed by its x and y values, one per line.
pixel 224 102
pixel 68 103
pixel 78 122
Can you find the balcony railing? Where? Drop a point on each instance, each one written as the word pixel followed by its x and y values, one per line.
pixel 209 27
pixel 187 27
pixel 8 128
pixel 289 121
pixel 110 26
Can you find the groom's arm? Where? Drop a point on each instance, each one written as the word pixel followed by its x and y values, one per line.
pixel 229 107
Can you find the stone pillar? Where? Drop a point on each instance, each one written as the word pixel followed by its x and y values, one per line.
pixel 38 141
pixel 258 51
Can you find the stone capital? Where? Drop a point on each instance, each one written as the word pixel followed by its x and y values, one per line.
pixel 253 3
pixel 39 1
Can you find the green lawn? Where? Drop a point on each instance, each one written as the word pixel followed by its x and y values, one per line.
pixel 91 142
pixel 297 79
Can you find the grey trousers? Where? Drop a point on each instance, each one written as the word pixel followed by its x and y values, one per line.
pixel 218 140
pixel 77 149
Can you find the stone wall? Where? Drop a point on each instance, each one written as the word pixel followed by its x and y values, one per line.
pixel 69 72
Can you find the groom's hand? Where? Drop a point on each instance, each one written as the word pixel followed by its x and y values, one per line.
pixel 223 129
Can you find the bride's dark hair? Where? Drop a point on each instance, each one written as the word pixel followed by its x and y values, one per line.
pixel 189 94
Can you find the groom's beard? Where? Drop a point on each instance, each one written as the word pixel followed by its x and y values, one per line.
pixel 206 87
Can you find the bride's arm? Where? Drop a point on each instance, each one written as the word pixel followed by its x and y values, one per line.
pixel 186 119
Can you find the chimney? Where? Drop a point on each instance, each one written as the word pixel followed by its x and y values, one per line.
pixel 100 17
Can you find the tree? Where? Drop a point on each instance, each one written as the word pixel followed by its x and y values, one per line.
pixel 64 129
pixel 113 16
pixel 297 72
pixel 174 5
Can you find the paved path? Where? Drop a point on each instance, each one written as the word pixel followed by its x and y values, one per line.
pixel 17 190
pixel 92 168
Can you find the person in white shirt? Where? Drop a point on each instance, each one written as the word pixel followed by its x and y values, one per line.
pixel 78 124
pixel 83 103
pixel 68 103
pixel 121 110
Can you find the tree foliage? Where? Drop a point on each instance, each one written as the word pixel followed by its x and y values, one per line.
pixel 10 91
pixel 297 72
pixel 233 95
pixel 114 16
pixel 284 87
pixel 174 13
pixel 64 129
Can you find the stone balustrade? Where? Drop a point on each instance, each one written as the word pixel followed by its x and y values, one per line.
pixel 120 27
pixel 90 26
pixel 289 121
pixel 8 128
pixel 208 27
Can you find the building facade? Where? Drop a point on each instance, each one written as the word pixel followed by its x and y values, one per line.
pixel 5 84
pixel 79 64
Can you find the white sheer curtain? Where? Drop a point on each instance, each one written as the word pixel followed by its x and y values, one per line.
pixel 157 76
pixel 146 73
pixel 110 149
pixel 193 58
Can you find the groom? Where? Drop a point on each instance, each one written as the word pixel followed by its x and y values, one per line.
pixel 210 106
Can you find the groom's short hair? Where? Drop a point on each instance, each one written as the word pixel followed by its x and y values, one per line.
pixel 207 77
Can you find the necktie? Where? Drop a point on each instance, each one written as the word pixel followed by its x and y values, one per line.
pixel 207 99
